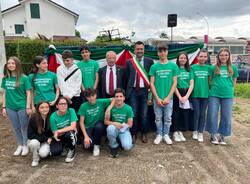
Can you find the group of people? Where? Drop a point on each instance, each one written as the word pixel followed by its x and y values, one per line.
pixel 52 112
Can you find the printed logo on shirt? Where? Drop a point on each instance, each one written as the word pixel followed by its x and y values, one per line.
pixel 201 74
pixel 119 117
pixel 93 112
pixel 10 84
pixel 224 74
pixel 63 124
pixel 42 82
pixel 183 75
pixel 163 73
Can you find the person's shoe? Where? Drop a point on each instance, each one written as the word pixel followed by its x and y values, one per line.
pixel 70 156
pixel 200 137
pixel 144 138
pixel 176 137
pixel 18 150
pixel 158 139
pixel 222 140
pixel 35 163
pixel 134 137
pixel 214 139
pixel 167 139
pixel 114 152
pixel 182 137
pixel 25 151
pixel 96 150
pixel 195 135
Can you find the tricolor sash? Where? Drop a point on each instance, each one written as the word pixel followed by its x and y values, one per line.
pixel 141 71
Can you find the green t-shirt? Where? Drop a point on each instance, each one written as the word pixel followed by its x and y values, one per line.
pixel 183 79
pixel 16 97
pixel 44 86
pixel 58 122
pixel 222 85
pixel 93 113
pixel 89 70
pixel 163 74
pixel 200 75
pixel 122 114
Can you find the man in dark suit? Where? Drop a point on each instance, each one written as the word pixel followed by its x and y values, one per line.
pixel 110 77
pixel 137 90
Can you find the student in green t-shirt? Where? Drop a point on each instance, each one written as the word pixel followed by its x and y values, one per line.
pixel 222 81
pixel 91 120
pixel 181 105
pixel 119 118
pixel 44 83
pixel 16 103
pixel 163 81
pixel 89 69
pixel 200 73
pixel 63 125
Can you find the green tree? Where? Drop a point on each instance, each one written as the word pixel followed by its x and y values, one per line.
pixel 77 33
pixel 163 35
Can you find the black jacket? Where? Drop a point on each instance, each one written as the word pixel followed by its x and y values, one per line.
pixel 131 72
pixel 33 131
pixel 120 82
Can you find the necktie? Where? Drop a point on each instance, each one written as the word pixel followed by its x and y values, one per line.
pixel 111 82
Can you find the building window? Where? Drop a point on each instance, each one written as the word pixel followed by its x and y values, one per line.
pixel 19 28
pixel 237 49
pixel 34 10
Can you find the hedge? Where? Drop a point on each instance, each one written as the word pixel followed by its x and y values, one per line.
pixel 27 49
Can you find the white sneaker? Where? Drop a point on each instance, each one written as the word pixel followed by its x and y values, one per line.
pixel 25 151
pixel 96 150
pixel 70 156
pixel 18 150
pixel 176 137
pixel 167 139
pixel 200 137
pixel 222 140
pixel 34 163
pixel 158 139
pixel 182 137
pixel 195 135
pixel 214 139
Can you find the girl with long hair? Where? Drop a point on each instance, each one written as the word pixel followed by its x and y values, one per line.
pixel 16 102
pixel 185 84
pixel 39 133
pixel 44 83
pixel 222 81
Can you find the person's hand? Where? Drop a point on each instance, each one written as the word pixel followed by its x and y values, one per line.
pixel 159 102
pixel 87 142
pixel 33 109
pixel 69 99
pixel 28 111
pixel 184 99
pixel 49 140
pixel 52 103
pixel 118 125
pixel 56 135
pixel 4 113
pixel 166 101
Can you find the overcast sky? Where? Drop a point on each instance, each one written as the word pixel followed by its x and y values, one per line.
pixel 148 18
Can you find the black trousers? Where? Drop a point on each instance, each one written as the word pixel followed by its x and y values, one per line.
pixel 67 140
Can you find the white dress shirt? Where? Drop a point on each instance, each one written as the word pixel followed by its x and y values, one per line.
pixel 107 78
pixel 141 80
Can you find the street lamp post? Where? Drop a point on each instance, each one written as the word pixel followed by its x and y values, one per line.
pixel 206 35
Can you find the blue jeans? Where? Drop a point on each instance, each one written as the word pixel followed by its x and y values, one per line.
pixel 138 101
pixel 200 107
pixel 225 105
pixel 19 120
pixel 165 113
pixel 95 133
pixel 125 138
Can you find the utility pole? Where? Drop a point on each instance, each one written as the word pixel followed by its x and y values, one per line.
pixel 2 47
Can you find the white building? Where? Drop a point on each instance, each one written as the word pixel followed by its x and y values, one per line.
pixel 45 17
